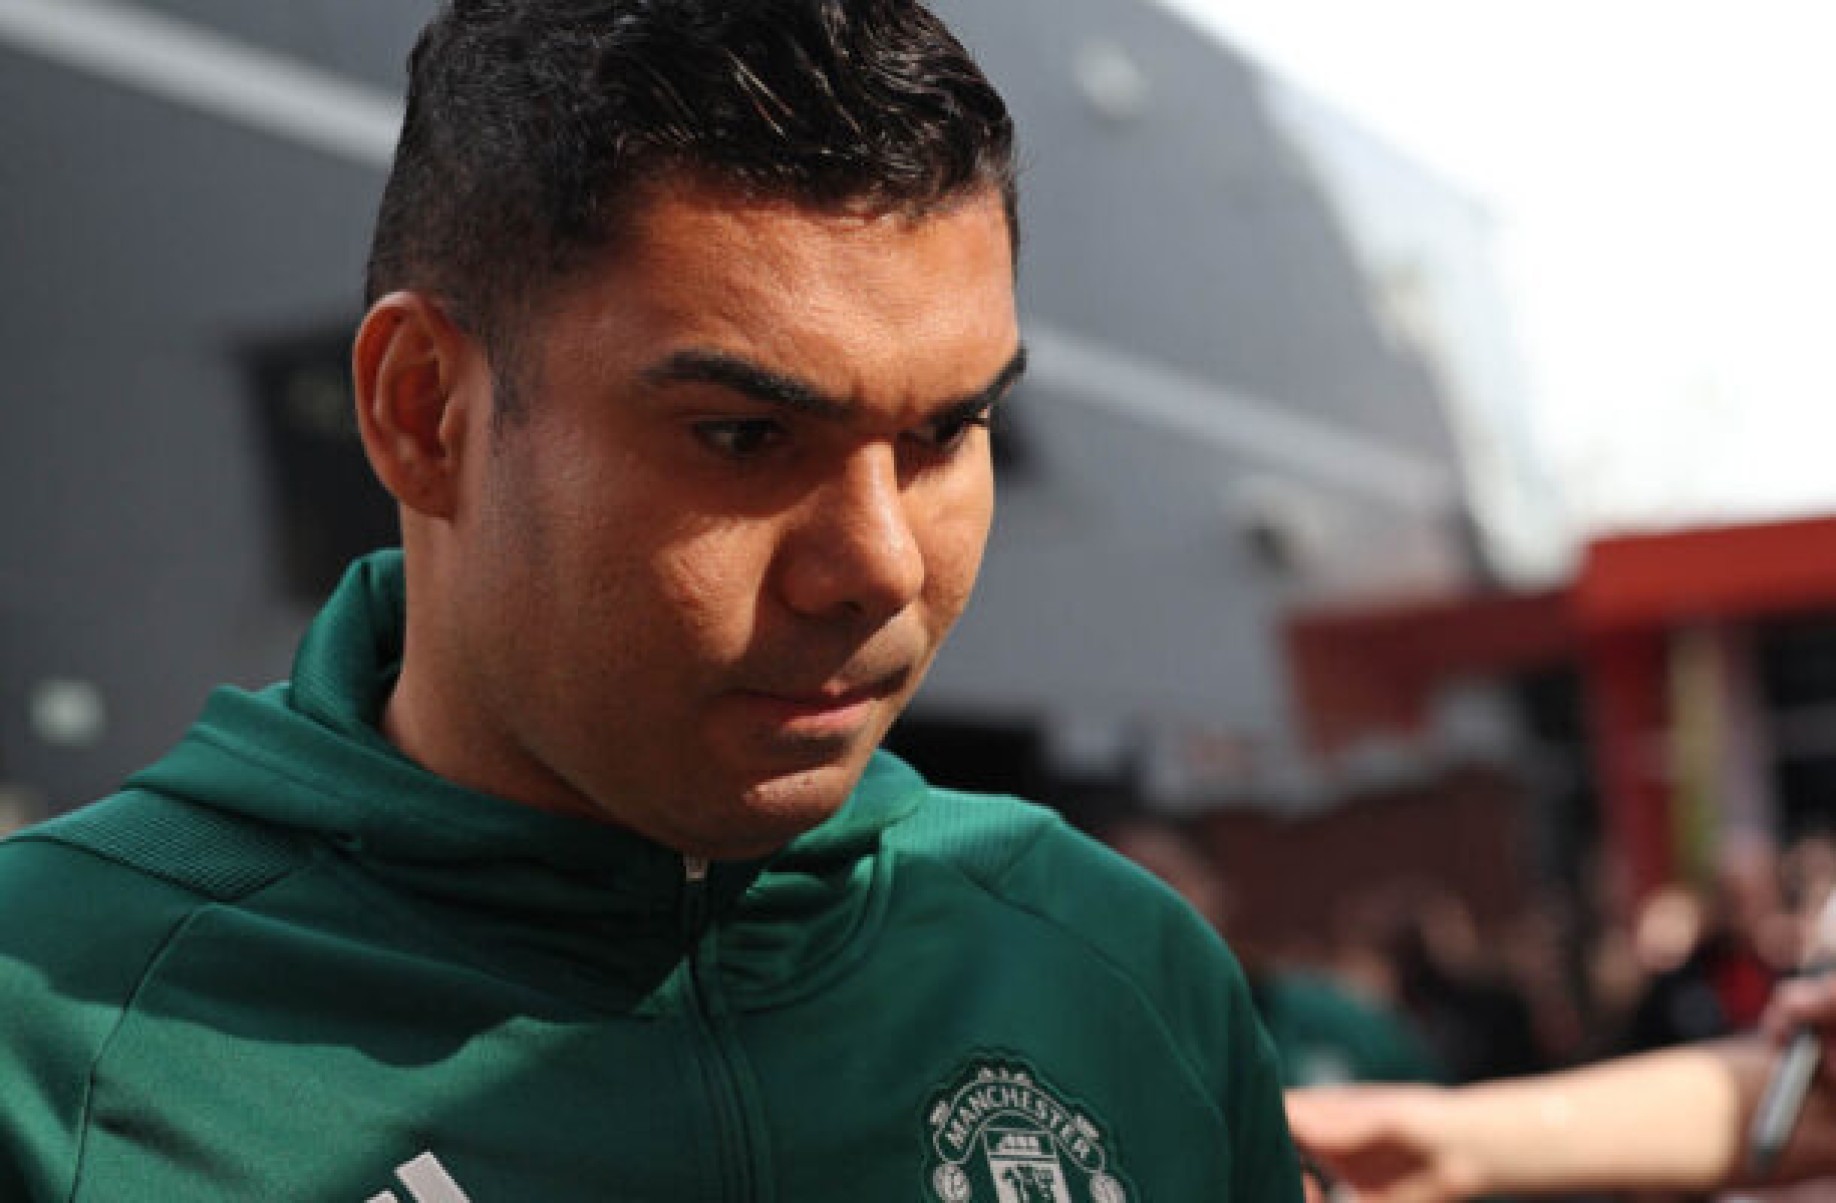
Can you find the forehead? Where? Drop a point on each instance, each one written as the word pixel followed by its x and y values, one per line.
pixel 857 299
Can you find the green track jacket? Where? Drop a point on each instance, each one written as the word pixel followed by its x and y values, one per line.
pixel 287 964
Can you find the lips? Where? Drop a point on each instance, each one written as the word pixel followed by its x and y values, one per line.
pixel 833 711
pixel 830 699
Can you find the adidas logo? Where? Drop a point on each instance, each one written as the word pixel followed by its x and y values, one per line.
pixel 426 1181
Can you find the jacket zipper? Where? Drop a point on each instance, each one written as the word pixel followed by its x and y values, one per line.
pixel 694 900
pixel 708 1022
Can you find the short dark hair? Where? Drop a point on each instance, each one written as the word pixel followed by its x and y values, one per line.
pixel 533 127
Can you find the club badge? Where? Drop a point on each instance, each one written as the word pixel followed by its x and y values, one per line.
pixel 1001 1134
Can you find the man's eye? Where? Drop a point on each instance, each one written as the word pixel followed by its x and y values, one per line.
pixel 946 433
pixel 739 438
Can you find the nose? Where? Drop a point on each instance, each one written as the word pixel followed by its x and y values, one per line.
pixel 856 551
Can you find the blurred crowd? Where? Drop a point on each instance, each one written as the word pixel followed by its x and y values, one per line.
pixel 1566 982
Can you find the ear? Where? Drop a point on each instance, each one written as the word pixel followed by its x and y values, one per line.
pixel 409 364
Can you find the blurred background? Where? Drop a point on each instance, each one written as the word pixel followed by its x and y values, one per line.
pixel 1418 510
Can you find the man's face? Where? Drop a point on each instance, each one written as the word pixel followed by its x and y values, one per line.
pixel 701 575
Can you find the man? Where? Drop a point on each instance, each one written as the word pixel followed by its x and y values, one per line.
pixel 564 867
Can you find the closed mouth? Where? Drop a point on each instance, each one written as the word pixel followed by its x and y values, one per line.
pixel 825 713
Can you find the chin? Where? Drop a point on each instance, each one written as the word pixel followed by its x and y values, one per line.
pixel 776 810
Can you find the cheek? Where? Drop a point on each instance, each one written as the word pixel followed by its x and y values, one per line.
pixel 956 536
pixel 708 583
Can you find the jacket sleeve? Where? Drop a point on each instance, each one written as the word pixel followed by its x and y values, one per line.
pixel 1265 1163
pixel 1206 998
pixel 77 933
pixel 1199 992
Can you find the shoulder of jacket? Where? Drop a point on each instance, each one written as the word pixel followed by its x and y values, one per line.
pixel 980 835
pixel 92 897
pixel 1116 914
pixel 150 836
pixel 1028 856
pixel 90 903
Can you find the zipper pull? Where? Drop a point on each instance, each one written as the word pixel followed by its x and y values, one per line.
pixel 694 896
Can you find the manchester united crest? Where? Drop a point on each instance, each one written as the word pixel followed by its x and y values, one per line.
pixel 1000 1134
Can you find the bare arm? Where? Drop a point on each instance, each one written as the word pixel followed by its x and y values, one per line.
pixel 1674 1119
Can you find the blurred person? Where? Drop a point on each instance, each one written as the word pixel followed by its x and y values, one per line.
pixel 1758 939
pixel 1323 1032
pixel 1539 951
pixel 1808 869
pixel 1615 982
pixel 1418 944
pixel 565 866
pixel 1807 874
pixel 1675 1001
pixel 1678 1119
pixel 1711 965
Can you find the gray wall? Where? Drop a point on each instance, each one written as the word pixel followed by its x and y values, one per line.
pixel 147 246
pixel 1184 253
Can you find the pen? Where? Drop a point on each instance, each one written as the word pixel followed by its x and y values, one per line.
pixel 1783 1101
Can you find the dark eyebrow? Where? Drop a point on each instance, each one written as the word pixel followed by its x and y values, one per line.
pixel 999 387
pixel 700 366
pixel 697 365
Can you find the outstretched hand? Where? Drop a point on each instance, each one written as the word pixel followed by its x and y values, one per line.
pixel 1388 1143
pixel 1666 1120
pixel 1800 1003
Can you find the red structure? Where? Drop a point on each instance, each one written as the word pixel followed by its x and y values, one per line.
pixel 1626 623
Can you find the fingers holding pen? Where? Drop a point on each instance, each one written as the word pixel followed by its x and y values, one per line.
pixel 1801 1002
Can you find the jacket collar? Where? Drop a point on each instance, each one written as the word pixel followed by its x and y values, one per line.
pixel 308 755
